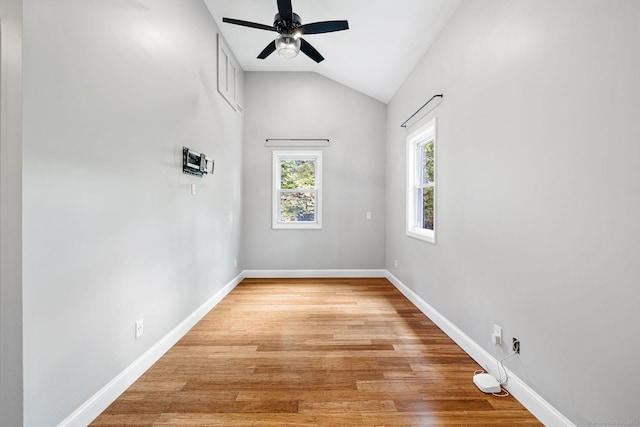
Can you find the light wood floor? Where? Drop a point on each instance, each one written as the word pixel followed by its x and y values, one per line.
pixel 309 352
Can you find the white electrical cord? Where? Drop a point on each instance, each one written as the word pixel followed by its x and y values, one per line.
pixel 506 393
pixel 500 363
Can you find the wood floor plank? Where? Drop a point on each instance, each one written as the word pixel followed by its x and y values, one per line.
pixel 313 352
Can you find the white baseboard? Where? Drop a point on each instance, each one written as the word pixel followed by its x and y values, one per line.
pixel 110 392
pixel 270 274
pixel 93 407
pixel 531 400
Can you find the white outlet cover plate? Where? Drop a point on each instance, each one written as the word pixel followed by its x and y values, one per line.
pixel 139 328
pixel 497 335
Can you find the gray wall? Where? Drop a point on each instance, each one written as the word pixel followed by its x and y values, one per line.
pixel 112 91
pixel 306 105
pixel 11 213
pixel 538 193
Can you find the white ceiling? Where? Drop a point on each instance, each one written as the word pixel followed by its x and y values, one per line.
pixel 385 40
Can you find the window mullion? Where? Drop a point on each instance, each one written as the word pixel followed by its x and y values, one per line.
pixel 298 190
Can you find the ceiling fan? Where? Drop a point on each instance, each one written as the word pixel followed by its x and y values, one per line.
pixel 290 31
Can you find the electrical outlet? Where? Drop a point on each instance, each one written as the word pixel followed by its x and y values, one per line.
pixel 139 328
pixel 395 263
pixel 235 263
pixel 496 337
pixel 516 345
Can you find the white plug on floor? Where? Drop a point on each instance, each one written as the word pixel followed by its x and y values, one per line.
pixel 486 383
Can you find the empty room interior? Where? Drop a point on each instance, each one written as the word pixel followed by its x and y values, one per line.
pixel 464 172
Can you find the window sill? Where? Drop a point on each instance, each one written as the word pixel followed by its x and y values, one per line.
pixel 298 226
pixel 424 235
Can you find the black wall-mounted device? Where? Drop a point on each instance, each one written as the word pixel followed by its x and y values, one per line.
pixel 196 164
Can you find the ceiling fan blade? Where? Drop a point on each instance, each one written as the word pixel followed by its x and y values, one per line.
pixel 271 47
pixel 310 51
pixel 323 27
pixel 249 24
pixel 285 10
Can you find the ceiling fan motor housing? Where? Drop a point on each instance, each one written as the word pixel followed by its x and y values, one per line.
pixel 283 26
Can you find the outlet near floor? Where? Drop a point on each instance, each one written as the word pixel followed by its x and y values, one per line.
pixel 139 328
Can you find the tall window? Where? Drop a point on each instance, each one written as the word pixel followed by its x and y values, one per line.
pixel 297 189
pixel 421 182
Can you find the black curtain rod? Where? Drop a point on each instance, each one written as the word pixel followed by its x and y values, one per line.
pixel 296 139
pixel 404 125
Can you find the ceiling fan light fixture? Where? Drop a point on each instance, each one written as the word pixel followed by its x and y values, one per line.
pixel 290 29
pixel 287 45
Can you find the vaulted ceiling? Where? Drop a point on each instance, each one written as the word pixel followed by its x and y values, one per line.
pixel 385 41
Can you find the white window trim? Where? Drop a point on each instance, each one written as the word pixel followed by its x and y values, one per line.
pixel 276 224
pixel 422 134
